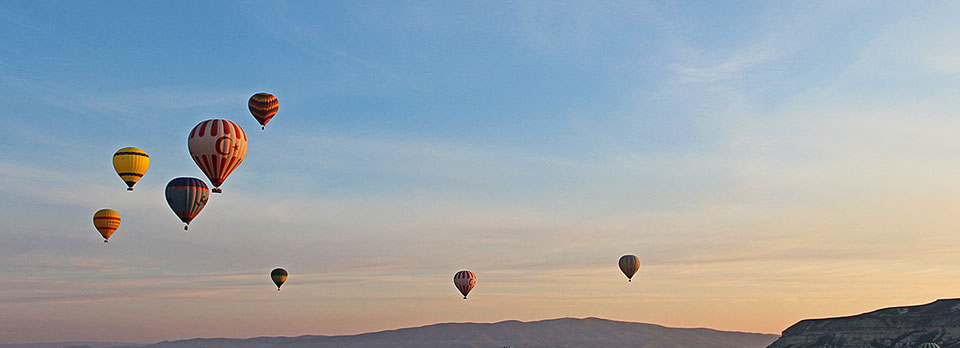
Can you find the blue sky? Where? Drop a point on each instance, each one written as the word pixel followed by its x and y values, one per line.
pixel 767 161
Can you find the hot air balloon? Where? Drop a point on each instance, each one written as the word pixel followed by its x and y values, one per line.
pixel 187 196
pixel 263 106
pixel 279 275
pixel 218 147
pixel 131 163
pixel 106 221
pixel 929 345
pixel 464 280
pixel 629 264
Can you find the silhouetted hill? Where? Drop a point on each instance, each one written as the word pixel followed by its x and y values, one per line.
pixel 555 333
pixel 70 345
pixel 257 342
pixel 896 327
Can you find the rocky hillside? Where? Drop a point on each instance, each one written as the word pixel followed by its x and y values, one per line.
pixel 897 327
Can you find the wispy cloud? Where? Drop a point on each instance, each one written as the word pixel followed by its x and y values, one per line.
pixel 782 32
pixel 154 99
pixel 24 22
pixel 280 22
pixel 140 103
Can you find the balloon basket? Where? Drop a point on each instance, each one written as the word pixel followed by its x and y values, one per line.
pixel 186 227
pixel 106 241
pixel 216 190
pixel 129 188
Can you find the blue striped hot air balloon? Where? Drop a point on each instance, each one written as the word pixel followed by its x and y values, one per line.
pixel 187 197
pixel 929 345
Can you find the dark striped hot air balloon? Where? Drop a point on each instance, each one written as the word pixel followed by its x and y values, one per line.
pixel 464 281
pixel 929 345
pixel 218 147
pixel 106 221
pixel 187 197
pixel 131 163
pixel 278 275
pixel 629 264
pixel 263 106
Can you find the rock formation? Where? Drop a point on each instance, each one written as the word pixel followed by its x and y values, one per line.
pixel 896 327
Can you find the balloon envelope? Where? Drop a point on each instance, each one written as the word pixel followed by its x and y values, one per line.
pixel 263 106
pixel 131 163
pixel 106 221
pixel 929 345
pixel 218 147
pixel 279 275
pixel 187 197
pixel 629 264
pixel 464 281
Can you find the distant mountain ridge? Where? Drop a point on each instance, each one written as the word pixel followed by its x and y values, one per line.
pixel 69 345
pixel 896 327
pixel 552 333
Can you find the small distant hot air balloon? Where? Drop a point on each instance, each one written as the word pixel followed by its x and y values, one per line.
pixel 131 163
pixel 929 345
pixel 218 147
pixel 629 264
pixel 187 197
pixel 464 280
pixel 106 221
pixel 263 106
pixel 279 275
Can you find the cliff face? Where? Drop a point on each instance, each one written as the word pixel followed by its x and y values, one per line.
pixel 897 327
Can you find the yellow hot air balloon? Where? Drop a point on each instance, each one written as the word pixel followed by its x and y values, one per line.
pixel 131 163
pixel 106 221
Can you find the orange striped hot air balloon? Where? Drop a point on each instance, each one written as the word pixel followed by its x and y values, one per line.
pixel 278 275
pixel 263 106
pixel 218 147
pixel 106 221
pixel 629 265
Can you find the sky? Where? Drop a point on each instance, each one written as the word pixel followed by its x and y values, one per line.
pixel 767 161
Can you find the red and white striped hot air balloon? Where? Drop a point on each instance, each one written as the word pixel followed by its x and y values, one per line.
pixel 464 280
pixel 218 146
